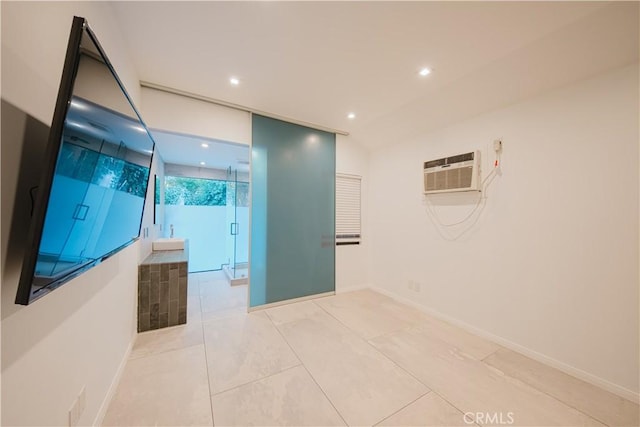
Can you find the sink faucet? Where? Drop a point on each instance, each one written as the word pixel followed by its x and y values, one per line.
pixel 171 235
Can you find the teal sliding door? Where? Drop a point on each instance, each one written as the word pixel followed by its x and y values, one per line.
pixel 292 211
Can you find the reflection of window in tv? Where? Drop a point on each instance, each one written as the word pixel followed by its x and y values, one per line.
pixel 105 171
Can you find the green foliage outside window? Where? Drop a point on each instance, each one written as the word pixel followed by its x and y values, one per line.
pixel 156 191
pixel 195 191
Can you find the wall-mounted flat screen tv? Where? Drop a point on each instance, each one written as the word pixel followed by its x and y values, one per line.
pixel 91 195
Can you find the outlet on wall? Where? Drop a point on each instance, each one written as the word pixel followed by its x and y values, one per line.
pixel 413 285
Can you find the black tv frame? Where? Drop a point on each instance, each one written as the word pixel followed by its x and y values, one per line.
pixel 25 294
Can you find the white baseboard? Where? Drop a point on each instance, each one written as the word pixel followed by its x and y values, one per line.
pixel 114 385
pixel 568 369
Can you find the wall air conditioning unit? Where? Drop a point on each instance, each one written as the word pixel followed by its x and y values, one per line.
pixel 455 173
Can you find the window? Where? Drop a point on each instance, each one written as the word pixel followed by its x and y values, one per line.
pixel 195 191
pixel 348 209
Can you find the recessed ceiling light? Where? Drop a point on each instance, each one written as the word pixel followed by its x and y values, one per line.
pixel 234 81
pixel 204 145
pixel 351 116
pixel 202 163
pixel 425 72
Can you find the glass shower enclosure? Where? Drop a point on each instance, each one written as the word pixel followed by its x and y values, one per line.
pixel 237 240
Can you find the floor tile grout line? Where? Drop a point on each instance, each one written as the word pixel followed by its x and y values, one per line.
pixel 206 359
pixel 342 323
pixel 256 380
pixel 206 363
pixel 405 406
pixel 307 370
pixel 491 354
pixel 452 405
pixel 398 365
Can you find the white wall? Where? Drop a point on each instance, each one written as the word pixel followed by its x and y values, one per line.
pixel 166 111
pixel 79 335
pixel 551 266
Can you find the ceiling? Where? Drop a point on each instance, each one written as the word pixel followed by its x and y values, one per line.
pixel 317 61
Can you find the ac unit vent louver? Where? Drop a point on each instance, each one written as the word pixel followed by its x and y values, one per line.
pixel 455 173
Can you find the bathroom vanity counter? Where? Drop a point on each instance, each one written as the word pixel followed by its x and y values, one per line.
pixel 162 289
pixel 166 257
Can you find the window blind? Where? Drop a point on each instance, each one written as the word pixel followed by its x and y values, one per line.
pixel 348 209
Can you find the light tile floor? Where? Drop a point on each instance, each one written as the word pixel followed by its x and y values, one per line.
pixel 358 358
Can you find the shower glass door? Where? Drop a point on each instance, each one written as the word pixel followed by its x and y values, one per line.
pixel 232 223
pixel 242 236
